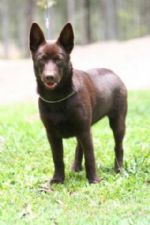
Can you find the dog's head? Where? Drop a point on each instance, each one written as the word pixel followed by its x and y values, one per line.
pixel 51 60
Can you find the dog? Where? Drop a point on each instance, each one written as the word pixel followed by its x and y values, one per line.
pixel 71 101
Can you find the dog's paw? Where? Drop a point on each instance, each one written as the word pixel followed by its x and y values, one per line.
pixel 117 169
pixel 118 165
pixel 56 181
pixel 94 180
pixel 76 168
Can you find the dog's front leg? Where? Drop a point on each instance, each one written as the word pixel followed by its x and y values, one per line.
pixel 57 153
pixel 85 140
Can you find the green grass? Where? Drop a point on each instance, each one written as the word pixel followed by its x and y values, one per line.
pixel 26 164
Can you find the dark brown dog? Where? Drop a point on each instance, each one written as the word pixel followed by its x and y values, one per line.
pixel 70 101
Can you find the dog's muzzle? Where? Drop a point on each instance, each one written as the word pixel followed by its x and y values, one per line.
pixel 50 81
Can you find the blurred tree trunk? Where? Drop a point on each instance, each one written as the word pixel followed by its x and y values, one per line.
pixel 86 21
pixel 25 19
pixel 71 11
pixel 29 11
pixel 145 13
pixel 21 27
pixel 51 16
pixel 109 18
pixel 5 28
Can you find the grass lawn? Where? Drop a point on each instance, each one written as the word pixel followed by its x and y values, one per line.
pixel 26 164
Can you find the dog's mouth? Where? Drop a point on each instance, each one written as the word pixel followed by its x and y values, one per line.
pixel 50 82
pixel 50 85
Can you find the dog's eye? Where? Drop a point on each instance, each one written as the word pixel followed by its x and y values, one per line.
pixel 42 59
pixel 58 61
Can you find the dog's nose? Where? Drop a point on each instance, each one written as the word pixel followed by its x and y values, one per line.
pixel 49 78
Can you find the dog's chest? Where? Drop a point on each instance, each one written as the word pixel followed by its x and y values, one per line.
pixel 62 120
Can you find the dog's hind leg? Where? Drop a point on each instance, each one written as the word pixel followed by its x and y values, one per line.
pixel 77 165
pixel 117 125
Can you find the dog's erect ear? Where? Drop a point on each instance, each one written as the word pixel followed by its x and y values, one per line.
pixel 36 37
pixel 66 38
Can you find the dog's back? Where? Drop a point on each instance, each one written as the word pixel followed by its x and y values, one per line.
pixel 105 89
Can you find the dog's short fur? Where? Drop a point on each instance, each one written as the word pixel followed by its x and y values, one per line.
pixel 70 101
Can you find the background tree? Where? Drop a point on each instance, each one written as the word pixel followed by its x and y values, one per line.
pixel 86 21
pixel 93 20
pixel 108 9
pixel 4 13
pixel 71 11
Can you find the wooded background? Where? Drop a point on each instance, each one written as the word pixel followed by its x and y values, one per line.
pixel 93 20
